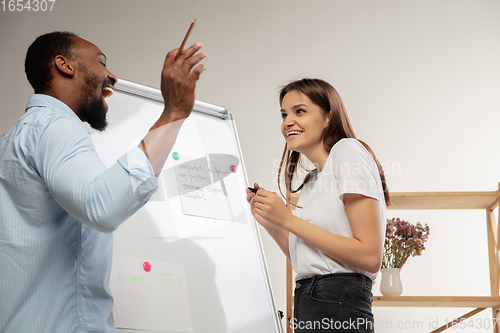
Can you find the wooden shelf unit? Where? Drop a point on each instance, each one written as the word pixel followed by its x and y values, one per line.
pixel 488 201
pixel 438 301
pixel 444 200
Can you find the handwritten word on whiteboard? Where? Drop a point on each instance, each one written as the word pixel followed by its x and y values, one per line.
pixel 153 300
pixel 203 185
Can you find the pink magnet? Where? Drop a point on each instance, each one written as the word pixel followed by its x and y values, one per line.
pixel 233 168
pixel 146 266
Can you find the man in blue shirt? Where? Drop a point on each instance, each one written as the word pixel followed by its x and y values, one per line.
pixel 58 203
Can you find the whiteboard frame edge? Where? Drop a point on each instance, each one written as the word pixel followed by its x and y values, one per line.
pixel 279 324
pixel 155 94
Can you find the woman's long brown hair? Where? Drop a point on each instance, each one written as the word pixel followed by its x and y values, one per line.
pixel 328 99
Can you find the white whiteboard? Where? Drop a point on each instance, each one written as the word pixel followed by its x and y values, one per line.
pixel 208 273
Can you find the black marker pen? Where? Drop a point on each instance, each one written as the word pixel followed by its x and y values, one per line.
pixel 254 190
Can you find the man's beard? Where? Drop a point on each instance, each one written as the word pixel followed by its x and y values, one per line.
pixel 91 109
pixel 93 112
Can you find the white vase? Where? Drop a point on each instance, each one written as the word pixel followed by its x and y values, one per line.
pixel 390 285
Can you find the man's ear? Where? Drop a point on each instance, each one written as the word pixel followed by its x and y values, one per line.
pixel 64 65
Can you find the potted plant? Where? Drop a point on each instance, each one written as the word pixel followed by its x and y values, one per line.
pixel 402 240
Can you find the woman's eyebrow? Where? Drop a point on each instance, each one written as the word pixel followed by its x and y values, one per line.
pixel 298 106
pixel 294 107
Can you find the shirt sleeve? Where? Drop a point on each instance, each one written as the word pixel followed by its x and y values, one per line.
pixel 355 169
pixel 65 158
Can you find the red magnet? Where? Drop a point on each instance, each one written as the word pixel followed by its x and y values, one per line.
pixel 233 169
pixel 146 266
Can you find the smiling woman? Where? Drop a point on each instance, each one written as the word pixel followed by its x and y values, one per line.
pixel 334 241
pixel 303 125
pixel 321 98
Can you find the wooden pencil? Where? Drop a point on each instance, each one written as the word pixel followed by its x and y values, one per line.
pixel 185 39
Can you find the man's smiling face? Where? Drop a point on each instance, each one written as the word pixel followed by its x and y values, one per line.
pixel 97 84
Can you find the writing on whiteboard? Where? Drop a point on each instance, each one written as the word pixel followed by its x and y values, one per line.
pixel 161 277
pixel 202 184
pixel 136 290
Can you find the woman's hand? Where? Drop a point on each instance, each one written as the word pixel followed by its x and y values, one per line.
pixel 269 206
pixel 279 234
pixel 251 200
pixel 250 194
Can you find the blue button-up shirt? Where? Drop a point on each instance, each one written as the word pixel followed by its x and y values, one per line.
pixel 58 207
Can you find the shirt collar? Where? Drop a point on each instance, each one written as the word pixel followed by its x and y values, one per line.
pixel 40 100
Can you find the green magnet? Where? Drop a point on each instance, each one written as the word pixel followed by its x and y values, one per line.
pixel 176 156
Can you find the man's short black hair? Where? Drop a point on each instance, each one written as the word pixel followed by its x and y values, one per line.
pixel 41 54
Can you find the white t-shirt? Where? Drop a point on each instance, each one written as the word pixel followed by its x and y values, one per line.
pixel 350 168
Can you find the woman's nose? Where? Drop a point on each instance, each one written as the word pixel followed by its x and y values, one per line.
pixel 289 121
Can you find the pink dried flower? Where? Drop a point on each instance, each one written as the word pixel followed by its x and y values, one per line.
pixel 403 240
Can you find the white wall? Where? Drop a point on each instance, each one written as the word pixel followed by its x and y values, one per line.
pixel 420 79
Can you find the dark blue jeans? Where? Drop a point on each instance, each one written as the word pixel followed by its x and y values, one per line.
pixel 333 303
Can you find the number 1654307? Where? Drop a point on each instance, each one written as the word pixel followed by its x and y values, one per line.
pixel 27 5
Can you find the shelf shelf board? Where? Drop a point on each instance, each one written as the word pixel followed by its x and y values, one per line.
pixel 438 301
pixel 444 200
pixel 438 200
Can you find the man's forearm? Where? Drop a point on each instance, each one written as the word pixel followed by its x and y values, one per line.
pixel 159 141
